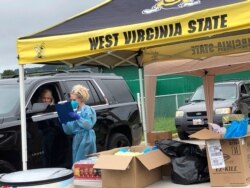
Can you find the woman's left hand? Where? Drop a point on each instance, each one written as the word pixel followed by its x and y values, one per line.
pixel 74 115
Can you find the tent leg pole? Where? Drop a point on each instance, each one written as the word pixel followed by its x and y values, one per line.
pixel 23 117
pixel 143 106
pixel 139 105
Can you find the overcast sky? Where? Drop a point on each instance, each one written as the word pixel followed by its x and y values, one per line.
pixel 24 17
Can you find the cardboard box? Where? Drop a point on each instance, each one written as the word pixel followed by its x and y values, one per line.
pixel 166 170
pixel 131 171
pixel 157 135
pixel 228 159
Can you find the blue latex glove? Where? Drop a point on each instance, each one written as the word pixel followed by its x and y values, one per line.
pixel 74 115
pixel 123 150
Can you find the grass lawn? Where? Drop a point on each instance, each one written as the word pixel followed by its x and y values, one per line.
pixel 164 124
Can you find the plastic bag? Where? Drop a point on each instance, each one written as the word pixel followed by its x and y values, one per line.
pixel 189 170
pixel 188 161
pixel 237 128
pixel 174 148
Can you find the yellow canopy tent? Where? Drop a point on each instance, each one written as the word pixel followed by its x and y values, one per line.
pixel 141 32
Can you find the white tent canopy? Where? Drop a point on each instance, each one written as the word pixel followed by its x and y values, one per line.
pixel 207 69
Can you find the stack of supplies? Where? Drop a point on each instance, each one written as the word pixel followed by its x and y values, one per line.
pixel 85 174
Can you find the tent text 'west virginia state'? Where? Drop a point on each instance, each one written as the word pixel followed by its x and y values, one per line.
pixel 163 29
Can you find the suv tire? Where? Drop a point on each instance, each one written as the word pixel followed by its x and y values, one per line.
pixel 118 140
pixel 6 167
pixel 182 135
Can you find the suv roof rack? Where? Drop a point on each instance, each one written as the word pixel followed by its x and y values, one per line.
pixel 80 70
pixel 46 73
pixel 31 74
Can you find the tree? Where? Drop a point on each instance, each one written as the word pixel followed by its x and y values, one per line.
pixel 8 73
pixel 61 68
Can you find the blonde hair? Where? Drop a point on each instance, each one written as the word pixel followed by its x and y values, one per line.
pixel 81 91
pixel 49 92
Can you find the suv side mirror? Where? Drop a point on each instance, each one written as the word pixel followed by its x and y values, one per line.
pixel 244 95
pixel 187 100
pixel 38 107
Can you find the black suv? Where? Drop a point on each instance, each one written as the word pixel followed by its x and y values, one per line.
pixel 230 97
pixel 118 122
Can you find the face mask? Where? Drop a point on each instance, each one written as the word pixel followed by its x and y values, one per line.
pixel 74 104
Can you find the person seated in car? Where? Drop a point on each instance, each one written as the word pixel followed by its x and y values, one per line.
pixel 52 144
pixel 47 97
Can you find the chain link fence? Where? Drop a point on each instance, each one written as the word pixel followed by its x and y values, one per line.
pixel 166 105
pixel 165 108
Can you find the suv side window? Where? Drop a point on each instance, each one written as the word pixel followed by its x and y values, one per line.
pixel 52 87
pixel 247 86
pixel 243 90
pixel 120 95
pixel 98 97
pixel 94 98
pixel 35 98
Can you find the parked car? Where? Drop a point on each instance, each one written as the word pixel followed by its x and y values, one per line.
pixel 118 121
pixel 230 97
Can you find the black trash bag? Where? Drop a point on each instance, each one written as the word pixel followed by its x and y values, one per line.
pixel 189 170
pixel 188 161
pixel 173 148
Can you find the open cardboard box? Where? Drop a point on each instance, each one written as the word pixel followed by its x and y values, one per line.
pixel 228 159
pixel 131 171
pixel 158 135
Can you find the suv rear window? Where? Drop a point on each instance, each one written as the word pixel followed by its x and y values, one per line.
pixel 119 90
pixel 9 96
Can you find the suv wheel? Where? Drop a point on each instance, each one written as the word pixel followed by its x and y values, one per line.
pixel 118 140
pixel 182 135
pixel 6 167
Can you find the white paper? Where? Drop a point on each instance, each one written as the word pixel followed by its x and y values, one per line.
pixel 215 154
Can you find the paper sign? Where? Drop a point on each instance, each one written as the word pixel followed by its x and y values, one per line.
pixel 215 154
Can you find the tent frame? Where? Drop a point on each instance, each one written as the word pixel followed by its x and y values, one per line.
pixel 77 41
pixel 23 118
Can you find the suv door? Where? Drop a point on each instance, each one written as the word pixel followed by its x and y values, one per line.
pixel 48 145
pixel 245 98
